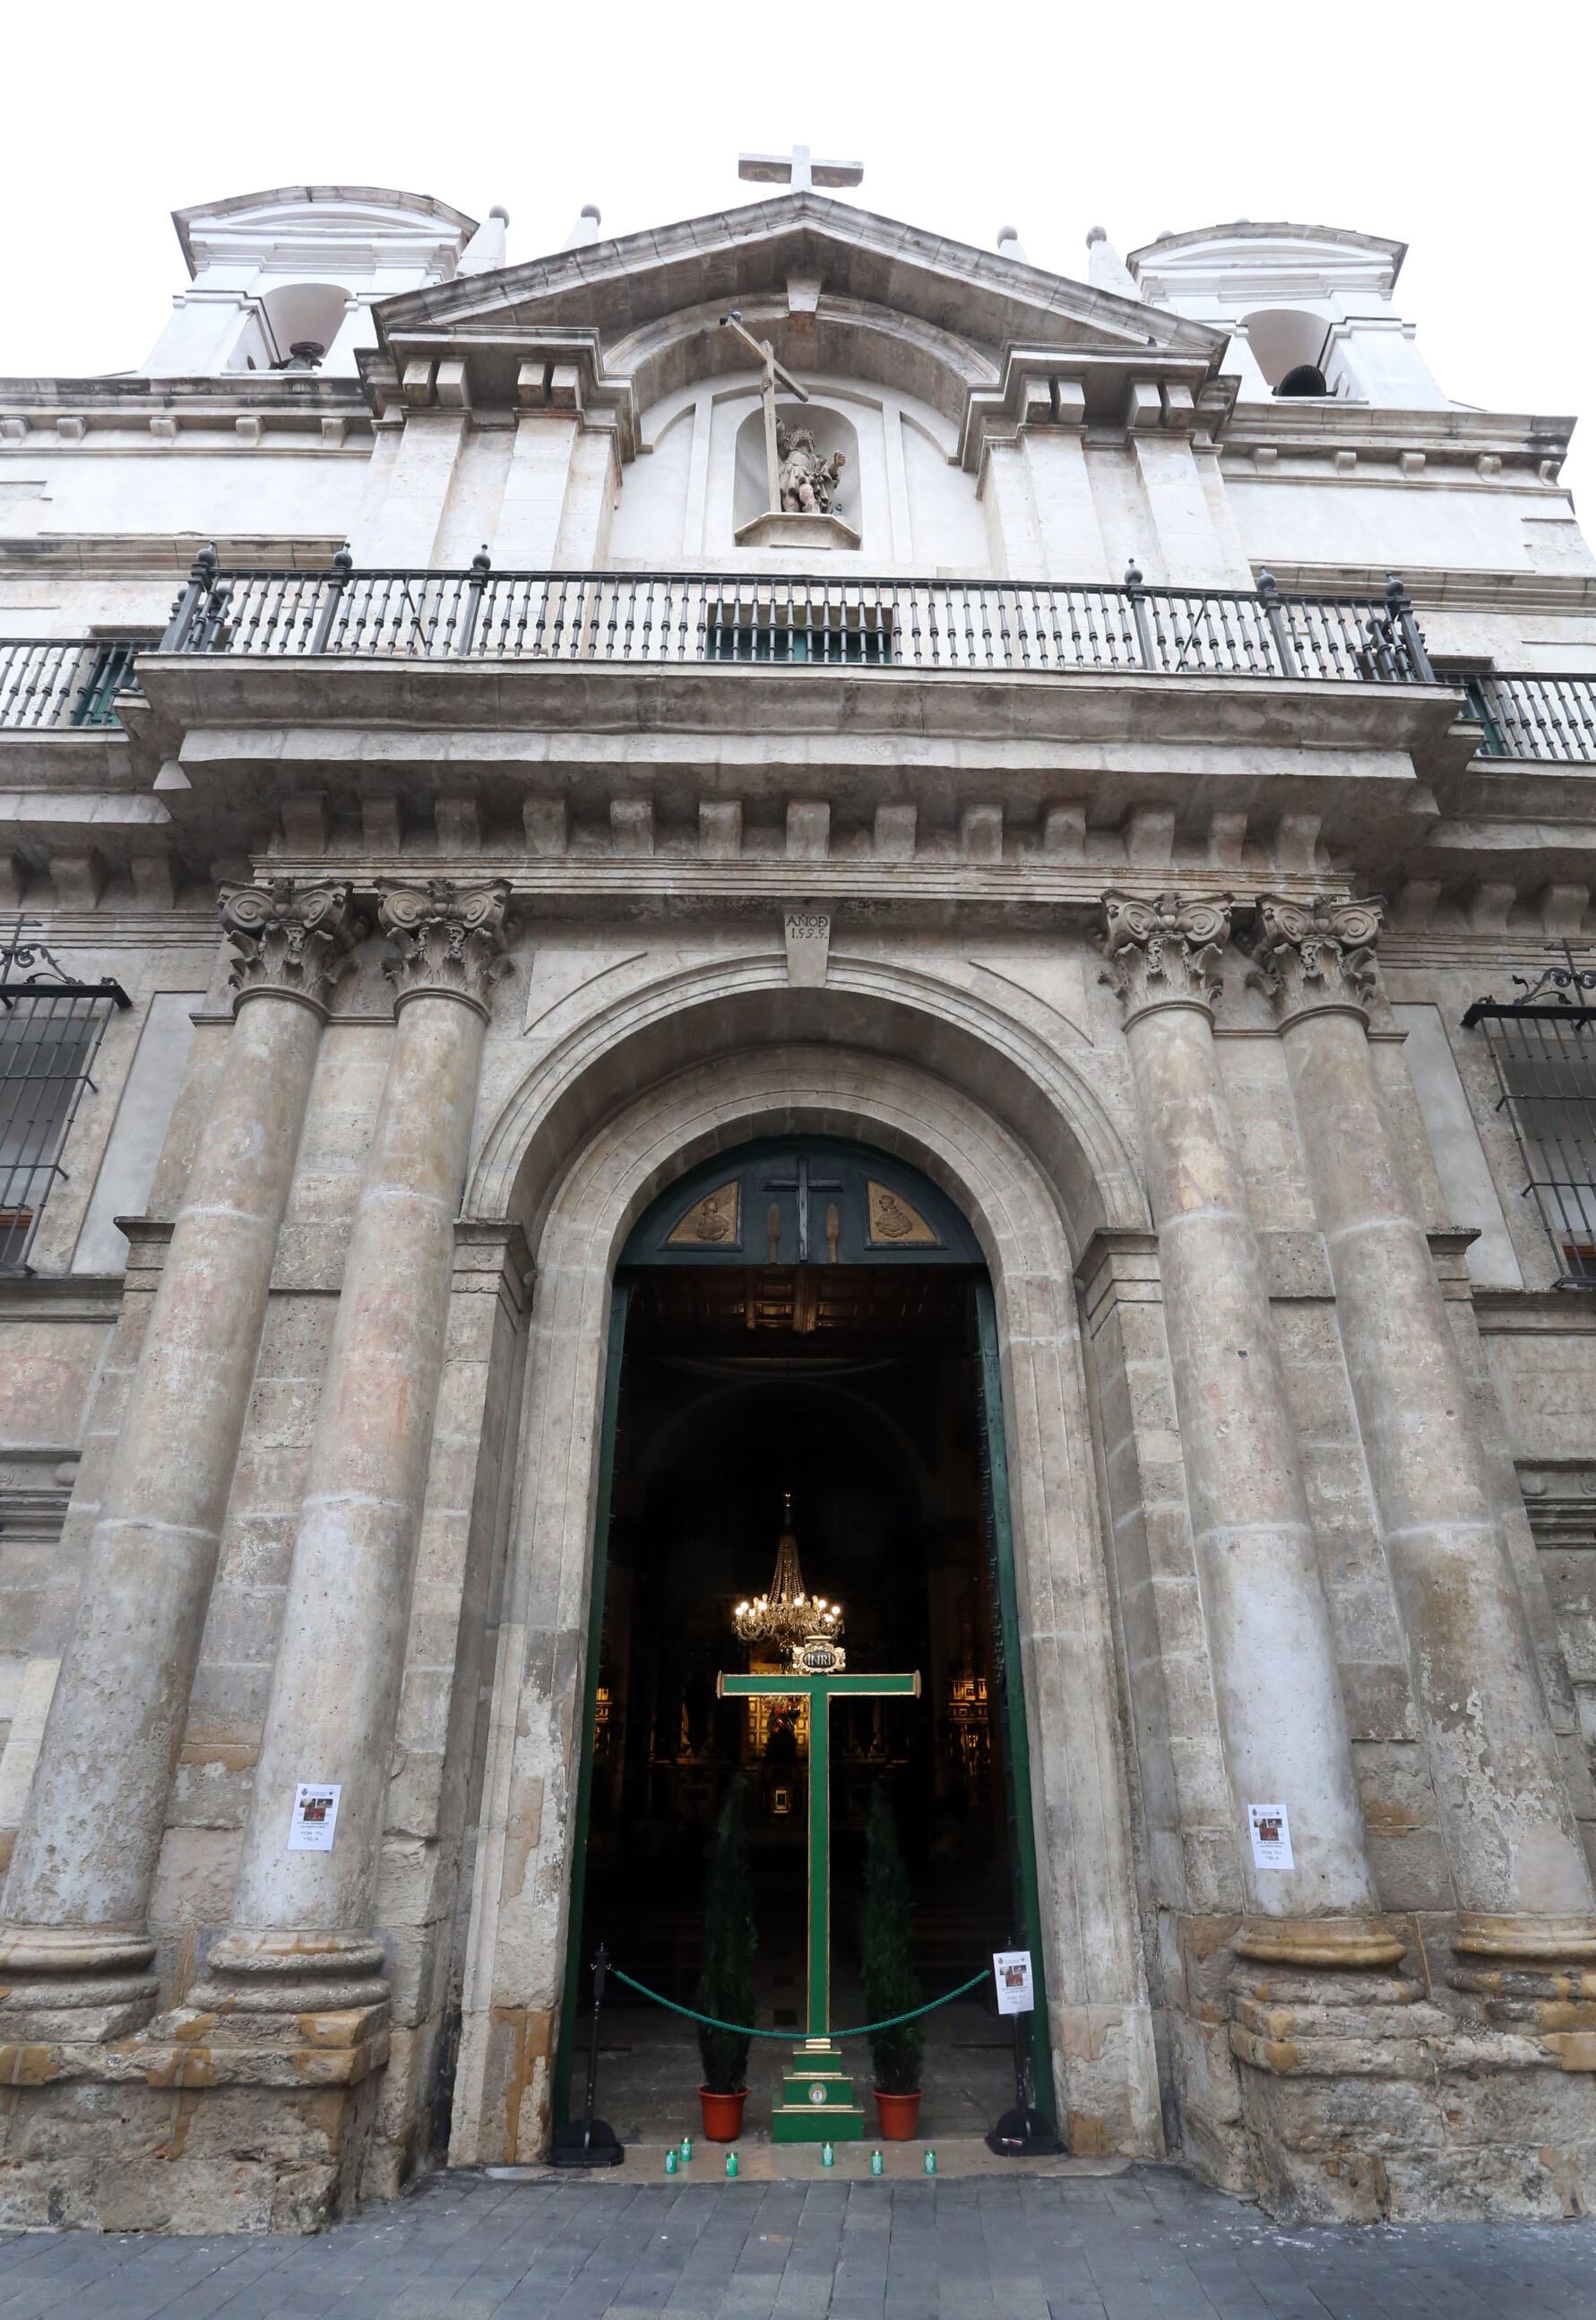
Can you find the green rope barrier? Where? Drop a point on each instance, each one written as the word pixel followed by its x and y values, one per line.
pixel 747 2030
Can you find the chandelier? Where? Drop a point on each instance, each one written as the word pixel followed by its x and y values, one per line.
pixel 786 1615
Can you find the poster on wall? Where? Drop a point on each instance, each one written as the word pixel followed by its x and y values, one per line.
pixel 1272 1837
pixel 314 1816
pixel 1016 1991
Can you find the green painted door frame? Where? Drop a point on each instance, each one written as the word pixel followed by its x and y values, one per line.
pixel 1023 1848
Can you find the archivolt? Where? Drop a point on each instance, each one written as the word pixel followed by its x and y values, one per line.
pixel 704 1013
pixel 846 338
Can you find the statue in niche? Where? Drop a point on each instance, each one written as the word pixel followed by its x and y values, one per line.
pixel 807 483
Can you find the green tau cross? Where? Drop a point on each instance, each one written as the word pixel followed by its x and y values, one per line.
pixel 817 2103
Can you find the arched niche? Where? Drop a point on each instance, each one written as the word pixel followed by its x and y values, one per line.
pixel 832 430
pixel 701 476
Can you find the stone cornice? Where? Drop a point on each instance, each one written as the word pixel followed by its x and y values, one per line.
pixel 558 371
pixel 1317 425
pixel 1125 395
pixel 158 556
pixel 235 413
pixel 1435 588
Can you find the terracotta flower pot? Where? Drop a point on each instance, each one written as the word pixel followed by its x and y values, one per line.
pixel 899 2116
pixel 722 2114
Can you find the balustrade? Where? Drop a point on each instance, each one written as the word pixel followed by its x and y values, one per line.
pixel 684 618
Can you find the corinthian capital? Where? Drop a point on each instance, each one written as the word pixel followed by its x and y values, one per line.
pixel 450 939
pixel 1311 956
pixel 289 939
pixel 1164 953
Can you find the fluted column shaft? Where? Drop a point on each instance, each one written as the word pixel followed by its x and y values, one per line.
pixel 1267 1624
pixel 1504 1812
pixel 300 1917
pixel 85 1855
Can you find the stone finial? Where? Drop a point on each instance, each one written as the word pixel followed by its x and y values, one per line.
pixel 1010 246
pixel 1312 955
pixel 485 252
pixel 291 940
pixel 1163 953
pixel 1106 269
pixel 450 939
pixel 589 219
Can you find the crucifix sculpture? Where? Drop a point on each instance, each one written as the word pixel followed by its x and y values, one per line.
pixel 817 2103
pixel 770 370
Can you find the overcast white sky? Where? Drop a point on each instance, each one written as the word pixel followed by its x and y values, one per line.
pixel 1468 134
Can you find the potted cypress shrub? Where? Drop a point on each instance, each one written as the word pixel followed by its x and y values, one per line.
pixel 891 1984
pixel 726 1981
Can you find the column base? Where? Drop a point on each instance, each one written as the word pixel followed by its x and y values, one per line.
pixel 290 1972
pixel 75 1982
pixel 176 2134
pixel 1529 1973
pixel 1327 1944
pixel 1363 2099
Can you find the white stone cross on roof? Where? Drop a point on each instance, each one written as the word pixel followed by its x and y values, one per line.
pixel 800 168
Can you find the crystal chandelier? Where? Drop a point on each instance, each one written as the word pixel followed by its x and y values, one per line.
pixel 786 1615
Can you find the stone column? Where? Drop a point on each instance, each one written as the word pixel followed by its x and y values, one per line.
pixel 73 1942
pixel 301 1937
pixel 1267 1626
pixel 1518 1866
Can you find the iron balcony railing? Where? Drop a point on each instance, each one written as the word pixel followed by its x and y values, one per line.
pixel 55 682
pixel 1530 715
pixel 680 619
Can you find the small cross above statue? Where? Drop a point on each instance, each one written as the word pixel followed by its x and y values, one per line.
pixel 799 169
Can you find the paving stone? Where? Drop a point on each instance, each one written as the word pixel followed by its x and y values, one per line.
pixel 1149 2245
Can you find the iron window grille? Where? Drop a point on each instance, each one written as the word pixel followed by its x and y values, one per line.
pixel 1543 1046
pixel 764 634
pixel 50 1030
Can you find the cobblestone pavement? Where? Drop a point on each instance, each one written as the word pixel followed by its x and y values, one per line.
pixel 1148 2244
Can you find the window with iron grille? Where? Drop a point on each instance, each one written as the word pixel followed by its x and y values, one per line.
pixel 50 1030
pixel 839 644
pixel 1544 1047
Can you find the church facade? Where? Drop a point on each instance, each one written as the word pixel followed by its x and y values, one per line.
pixel 581 835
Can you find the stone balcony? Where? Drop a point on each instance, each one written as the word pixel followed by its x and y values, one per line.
pixel 632 731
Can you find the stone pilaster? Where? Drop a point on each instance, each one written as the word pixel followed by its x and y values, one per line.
pixel 1517 1864
pixel 1267 1626
pixel 302 1937
pixel 73 1951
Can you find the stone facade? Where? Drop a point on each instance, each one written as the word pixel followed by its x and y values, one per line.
pixel 462 908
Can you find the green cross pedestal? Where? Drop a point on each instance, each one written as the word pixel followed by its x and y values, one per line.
pixel 817 2103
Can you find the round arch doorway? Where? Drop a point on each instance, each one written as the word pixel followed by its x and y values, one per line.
pixel 803 1335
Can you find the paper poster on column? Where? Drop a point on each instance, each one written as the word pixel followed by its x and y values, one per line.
pixel 1272 1837
pixel 1016 1990
pixel 314 1816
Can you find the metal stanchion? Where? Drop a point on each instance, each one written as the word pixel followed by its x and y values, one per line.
pixel 589 2141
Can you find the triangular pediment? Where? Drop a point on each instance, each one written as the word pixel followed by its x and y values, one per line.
pixel 833 287
pixel 619 286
